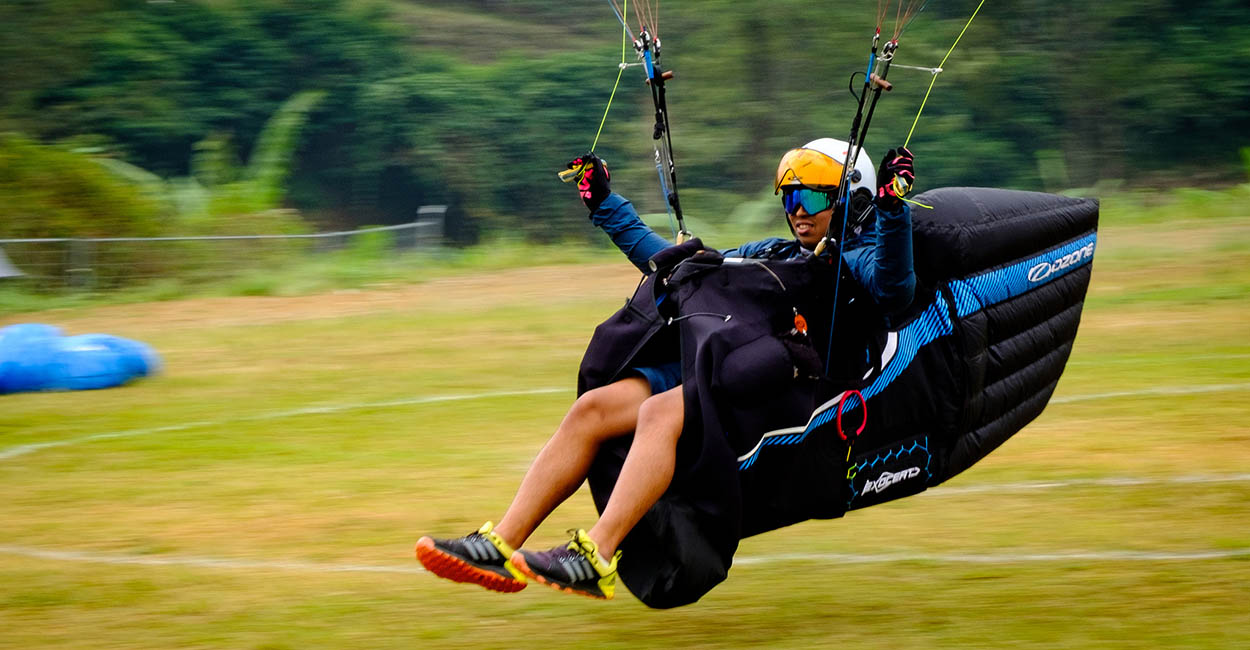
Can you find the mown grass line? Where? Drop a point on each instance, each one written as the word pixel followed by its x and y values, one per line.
pixel 1139 477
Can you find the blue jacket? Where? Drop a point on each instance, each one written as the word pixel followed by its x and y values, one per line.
pixel 880 258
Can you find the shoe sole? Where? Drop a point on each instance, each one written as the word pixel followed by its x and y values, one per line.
pixel 446 565
pixel 518 561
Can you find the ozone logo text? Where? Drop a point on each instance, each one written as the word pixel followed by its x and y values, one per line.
pixel 1045 269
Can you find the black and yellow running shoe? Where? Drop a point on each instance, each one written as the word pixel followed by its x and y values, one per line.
pixel 480 558
pixel 575 568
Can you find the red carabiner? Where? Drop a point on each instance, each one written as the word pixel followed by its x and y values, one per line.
pixel 842 403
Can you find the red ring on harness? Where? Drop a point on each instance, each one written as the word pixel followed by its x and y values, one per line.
pixel 863 402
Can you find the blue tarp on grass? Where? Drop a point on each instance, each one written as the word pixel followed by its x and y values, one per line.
pixel 40 357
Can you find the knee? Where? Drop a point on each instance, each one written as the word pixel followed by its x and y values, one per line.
pixel 662 415
pixel 591 406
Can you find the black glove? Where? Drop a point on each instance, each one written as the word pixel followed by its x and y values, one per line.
pixel 592 179
pixel 895 177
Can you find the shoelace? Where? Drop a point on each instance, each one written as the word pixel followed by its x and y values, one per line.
pixel 582 545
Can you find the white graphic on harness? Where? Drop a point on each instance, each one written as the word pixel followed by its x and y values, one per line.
pixel 1045 269
pixel 887 479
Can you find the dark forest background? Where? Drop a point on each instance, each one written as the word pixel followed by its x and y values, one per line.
pixel 160 117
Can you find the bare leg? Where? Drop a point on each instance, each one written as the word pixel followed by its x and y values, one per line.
pixel 562 465
pixel 647 471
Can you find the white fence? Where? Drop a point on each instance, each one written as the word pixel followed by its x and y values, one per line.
pixel 102 263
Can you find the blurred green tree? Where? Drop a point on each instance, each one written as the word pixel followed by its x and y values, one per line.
pixel 51 192
pixel 222 197
pixel 478 116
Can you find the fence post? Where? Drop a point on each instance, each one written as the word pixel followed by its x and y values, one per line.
pixel 7 270
pixel 429 225
pixel 79 271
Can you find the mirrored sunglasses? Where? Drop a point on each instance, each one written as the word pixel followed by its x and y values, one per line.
pixel 812 201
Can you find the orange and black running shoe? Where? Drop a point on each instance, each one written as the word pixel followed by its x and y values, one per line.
pixel 574 568
pixel 480 558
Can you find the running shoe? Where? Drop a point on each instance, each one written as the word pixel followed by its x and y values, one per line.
pixel 480 558
pixel 575 568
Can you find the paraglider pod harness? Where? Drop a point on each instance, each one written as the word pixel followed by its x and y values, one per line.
pixel 845 369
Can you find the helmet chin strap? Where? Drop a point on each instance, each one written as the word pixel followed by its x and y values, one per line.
pixel 854 219
pixel 862 216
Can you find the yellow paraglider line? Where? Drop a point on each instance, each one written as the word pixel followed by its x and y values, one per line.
pixel 620 71
pixel 939 68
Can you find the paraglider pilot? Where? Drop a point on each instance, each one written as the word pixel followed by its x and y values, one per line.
pixel 647 403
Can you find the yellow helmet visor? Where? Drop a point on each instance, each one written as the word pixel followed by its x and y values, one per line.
pixel 809 168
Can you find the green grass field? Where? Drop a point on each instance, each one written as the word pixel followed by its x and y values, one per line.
pixel 265 491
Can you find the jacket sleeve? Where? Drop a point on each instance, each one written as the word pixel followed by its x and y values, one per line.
pixel 882 260
pixel 617 217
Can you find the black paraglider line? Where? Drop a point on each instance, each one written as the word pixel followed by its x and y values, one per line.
pixel 648 47
pixel 852 156
pixel 855 144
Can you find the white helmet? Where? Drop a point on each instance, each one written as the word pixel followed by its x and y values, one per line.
pixel 818 165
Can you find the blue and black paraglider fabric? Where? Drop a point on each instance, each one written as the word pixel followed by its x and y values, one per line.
pixel 36 357
pixel 772 415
